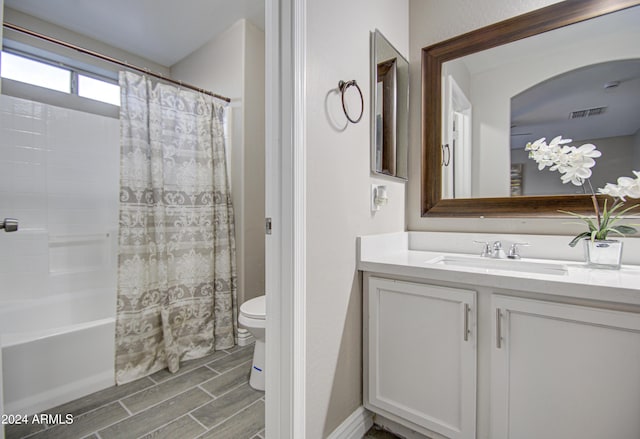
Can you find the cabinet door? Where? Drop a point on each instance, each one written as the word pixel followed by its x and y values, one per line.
pixel 564 371
pixel 420 356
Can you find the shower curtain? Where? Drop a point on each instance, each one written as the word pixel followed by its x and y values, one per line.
pixel 176 257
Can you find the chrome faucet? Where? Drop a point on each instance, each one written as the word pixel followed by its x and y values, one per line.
pixel 497 252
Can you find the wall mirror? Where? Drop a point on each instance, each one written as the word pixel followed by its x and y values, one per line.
pixel 390 107
pixel 488 92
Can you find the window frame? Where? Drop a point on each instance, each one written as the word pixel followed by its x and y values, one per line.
pixel 50 96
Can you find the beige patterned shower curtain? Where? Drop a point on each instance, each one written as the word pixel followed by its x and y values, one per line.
pixel 176 257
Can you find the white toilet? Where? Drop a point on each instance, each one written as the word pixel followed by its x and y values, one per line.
pixel 252 316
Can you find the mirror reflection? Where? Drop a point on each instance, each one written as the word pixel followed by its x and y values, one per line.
pixel 581 82
pixel 597 104
pixel 390 83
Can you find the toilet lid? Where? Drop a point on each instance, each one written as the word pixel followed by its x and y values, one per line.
pixel 255 308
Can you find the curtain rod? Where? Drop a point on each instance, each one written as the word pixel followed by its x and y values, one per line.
pixel 111 60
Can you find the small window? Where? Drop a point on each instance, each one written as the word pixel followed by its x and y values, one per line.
pixel 33 72
pixel 98 90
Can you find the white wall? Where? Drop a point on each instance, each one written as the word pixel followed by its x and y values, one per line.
pixel 337 199
pixel 232 65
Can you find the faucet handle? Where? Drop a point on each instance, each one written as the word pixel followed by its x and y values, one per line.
pixel 486 250
pixel 513 250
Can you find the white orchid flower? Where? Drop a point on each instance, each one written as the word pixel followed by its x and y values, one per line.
pixel 576 175
pixel 613 190
pixel 574 164
pixel 626 187
pixel 630 186
pixel 588 150
pixel 535 145
pixel 559 141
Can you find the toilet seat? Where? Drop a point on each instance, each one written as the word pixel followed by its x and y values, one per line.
pixel 255 308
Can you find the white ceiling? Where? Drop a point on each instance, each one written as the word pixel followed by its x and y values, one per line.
pixel 163 31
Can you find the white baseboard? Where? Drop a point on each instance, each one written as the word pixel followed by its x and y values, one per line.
pixel 355 426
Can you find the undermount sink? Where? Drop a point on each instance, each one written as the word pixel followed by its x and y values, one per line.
pixel 501 264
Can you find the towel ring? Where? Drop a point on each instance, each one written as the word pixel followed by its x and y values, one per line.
pixel 343 86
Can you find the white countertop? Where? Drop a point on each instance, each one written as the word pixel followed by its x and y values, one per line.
pixel 389 254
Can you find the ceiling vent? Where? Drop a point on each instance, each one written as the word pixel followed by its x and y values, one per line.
pixel 587 113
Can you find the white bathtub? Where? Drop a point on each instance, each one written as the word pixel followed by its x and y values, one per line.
pixel 56 349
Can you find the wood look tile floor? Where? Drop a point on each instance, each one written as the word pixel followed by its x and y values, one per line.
pixel 207 398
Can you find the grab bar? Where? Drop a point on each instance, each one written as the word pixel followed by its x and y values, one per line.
pixel 78 238
pixel 9 225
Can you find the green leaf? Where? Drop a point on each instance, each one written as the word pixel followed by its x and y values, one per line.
pixel 614 230
pixel 619 216
pixel 615 207
pixel 624 229
pixel 584 218
pixel 579 238
pixel 627 209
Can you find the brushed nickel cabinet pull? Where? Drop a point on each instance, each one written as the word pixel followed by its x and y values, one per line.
pixel 466 322
pixel 498 329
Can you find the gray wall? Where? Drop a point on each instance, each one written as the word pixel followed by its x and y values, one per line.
pixel 337 199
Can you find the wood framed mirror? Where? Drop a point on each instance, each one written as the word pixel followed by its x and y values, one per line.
pixel 531 24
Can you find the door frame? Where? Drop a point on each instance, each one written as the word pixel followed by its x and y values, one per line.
pixel 285 253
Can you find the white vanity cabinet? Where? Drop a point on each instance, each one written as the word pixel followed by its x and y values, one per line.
pixel 564 371
pixel 420 356
pixel 549 353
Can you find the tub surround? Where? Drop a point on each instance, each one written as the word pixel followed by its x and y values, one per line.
pixel 488 352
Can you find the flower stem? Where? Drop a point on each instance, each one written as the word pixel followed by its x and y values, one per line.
pixel 594 200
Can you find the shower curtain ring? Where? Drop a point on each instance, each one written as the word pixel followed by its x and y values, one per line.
pixel 343 86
